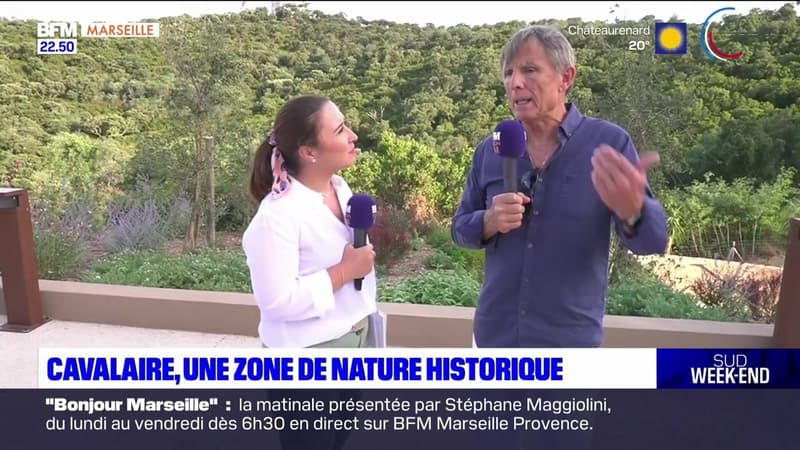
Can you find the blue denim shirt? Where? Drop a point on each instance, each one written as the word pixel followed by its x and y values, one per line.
pixel 545 283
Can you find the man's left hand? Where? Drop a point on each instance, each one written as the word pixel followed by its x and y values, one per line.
pixel 621 184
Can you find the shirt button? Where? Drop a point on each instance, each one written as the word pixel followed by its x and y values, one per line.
pixel 522 312
pixel 535 212
pixel 530 244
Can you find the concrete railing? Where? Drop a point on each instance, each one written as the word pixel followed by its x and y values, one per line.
pixel 409 325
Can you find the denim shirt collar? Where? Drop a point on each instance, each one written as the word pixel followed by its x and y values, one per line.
pixel 571 122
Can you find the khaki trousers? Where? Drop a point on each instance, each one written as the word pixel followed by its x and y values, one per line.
pixel 355 338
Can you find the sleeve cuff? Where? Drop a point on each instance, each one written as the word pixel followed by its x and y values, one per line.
pixel 650 235
pixel 320 291
pixel 472 231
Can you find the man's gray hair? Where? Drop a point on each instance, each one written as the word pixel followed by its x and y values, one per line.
pixel 555 44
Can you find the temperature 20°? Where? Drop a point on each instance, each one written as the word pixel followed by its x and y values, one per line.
pixel 637 46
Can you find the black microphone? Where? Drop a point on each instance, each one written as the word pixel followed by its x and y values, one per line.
pixel 360 216
pixel 509 140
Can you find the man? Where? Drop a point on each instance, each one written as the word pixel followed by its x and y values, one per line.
pixel 547 247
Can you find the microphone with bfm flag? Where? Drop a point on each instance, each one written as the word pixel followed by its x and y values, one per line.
pixel 360 216
pixel 509 139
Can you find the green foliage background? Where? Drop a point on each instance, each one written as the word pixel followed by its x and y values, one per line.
pixel 89 127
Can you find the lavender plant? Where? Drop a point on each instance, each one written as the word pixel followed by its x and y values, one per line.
pixel 134 226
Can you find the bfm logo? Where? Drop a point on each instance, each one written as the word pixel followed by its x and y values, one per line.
pixel 707 40
pixel 63 29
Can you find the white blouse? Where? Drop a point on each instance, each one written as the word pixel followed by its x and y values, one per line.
pixel 290 243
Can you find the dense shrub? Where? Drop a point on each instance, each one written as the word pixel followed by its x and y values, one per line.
pixel 651 298
pixel 450 256
pixel 207 270
pixel 637 291
pixel 61 241
pixel 134 226
pixel 410 175
pixel 436 287
pixel 60 255
pixel 708 218
pixel 739 292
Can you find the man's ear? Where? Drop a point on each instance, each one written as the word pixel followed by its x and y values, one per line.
pixel 568 78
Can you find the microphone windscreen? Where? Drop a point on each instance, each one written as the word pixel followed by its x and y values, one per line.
pixel 361 211
pixel 509 139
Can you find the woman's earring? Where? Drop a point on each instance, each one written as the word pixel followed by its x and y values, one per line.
pixel 314 160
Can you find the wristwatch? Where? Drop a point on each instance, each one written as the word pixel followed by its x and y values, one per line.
pixel 633 222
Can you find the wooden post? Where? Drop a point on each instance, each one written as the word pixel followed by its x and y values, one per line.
pixel 787 313
pixel 18 265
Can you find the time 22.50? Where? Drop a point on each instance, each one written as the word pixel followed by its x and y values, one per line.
pixel 56 46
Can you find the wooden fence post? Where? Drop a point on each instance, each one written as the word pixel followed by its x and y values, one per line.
pixel 787 313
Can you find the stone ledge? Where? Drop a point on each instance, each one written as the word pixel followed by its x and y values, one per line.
pixel 410 325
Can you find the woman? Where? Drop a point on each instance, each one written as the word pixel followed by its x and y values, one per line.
pixel 299 248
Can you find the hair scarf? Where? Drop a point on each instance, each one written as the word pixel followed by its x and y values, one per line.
pixel 281 183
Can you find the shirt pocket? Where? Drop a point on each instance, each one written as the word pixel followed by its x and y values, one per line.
pixel 575 197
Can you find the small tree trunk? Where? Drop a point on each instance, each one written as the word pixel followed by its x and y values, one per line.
pixel 211 230
pixel 194 224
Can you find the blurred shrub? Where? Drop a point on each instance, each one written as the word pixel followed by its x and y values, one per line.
pixel 762 293
pixel 739 292
pixel 392 234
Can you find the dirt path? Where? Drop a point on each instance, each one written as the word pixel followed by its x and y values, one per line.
pixel 412 264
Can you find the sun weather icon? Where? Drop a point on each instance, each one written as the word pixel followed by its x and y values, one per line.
pixel 670 38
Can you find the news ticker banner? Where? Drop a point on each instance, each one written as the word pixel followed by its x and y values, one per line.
pixel 425 368
pixel 617 419
pixel 61 38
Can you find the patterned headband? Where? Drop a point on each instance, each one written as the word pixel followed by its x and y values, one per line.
pixel 281 183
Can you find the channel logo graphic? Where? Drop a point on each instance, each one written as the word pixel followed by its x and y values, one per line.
pixel 707 39
pixel 670 38
pixel 60 38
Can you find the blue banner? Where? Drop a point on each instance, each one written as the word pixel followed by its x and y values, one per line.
pixel 35 419
pixel 728 369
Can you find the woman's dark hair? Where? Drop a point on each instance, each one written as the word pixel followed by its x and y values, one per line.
pixel 296 124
